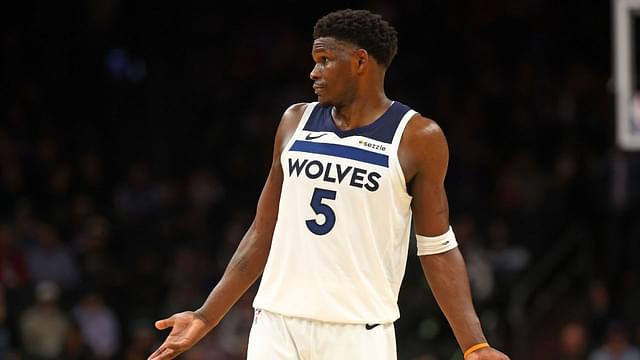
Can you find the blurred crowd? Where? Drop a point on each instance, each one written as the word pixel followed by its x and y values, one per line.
pixel 135 139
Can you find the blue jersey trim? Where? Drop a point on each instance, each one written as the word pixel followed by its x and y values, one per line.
pixel 382 129
pixel 342 151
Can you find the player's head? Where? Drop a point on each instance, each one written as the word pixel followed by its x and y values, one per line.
pixel 363 29
pixel 347 44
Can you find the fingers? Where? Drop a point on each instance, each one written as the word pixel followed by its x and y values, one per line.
pixel 164 323
pixel 164 353
pixel 156 354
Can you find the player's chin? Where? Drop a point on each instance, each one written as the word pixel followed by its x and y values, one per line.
pixel 324 101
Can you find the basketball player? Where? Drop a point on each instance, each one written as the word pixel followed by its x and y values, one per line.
pixel 332 224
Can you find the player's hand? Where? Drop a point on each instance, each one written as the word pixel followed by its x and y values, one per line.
pixel 187 329
pixel 487 354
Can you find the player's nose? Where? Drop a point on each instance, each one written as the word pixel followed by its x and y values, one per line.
pixel 315 73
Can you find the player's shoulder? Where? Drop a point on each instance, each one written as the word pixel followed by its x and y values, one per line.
pixel 294 112
pixel 292 116
pixel 289 122
pixel 423 130
pixel 297 107
pixel 423 147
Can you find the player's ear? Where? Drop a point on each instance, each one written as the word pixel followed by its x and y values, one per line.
pixel 362 59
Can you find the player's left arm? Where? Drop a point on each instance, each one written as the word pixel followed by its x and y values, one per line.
pixel 424 156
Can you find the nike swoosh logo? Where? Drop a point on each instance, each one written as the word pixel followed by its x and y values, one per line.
pixel 310 137
pixel 370 326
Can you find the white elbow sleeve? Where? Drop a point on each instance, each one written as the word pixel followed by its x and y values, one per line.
pixel 430 245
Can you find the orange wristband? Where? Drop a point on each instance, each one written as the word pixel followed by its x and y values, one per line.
pixel 474 348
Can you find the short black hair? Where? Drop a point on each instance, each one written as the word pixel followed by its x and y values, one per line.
pixel 362 28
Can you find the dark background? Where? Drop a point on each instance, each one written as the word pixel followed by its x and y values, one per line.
pixel 135 138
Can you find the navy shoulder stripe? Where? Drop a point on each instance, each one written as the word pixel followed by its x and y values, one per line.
pixel 382 129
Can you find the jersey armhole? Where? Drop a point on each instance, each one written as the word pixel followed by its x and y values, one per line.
pixel 301 124
pixel 395 147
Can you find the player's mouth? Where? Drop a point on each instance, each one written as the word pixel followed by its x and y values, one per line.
pixel 318 89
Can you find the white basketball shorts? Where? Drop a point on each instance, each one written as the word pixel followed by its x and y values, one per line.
pixel 277 337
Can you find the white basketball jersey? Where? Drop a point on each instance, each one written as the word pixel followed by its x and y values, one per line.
pixel 340 244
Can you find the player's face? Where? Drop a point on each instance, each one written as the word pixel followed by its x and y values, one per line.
pixel 333 75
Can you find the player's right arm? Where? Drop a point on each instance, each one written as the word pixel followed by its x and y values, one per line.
pixel 247 262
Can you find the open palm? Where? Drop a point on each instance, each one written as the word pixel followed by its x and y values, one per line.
pixel 187 329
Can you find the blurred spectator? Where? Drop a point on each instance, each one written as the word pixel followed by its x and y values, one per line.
pixel 630 304
pixel 187 285
pixel 12 185
pixel 13 265
pixel 599 310
pixel 138 198
pixel 232 335
pixel 75 346
pixel 508 260
pixel 44 326
pixel 25 225
pixel 146 285
pixel 478 263
pixel 5 334
pixel 47 151
pixel 98 324
pixel 207 350
pixel 572 342
pixel 204 189
pixel 142 341
pixel 58 201
pixel 616 345
pixel 96 263
pixel 82 208
pixel 92 180
pixel 51 260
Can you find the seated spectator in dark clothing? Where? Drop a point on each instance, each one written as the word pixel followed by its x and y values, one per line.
pixel 50 260
pixel 75 346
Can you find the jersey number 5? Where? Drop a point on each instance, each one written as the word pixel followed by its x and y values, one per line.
pixel 324 209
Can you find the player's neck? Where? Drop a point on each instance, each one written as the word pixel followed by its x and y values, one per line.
pixel 360 112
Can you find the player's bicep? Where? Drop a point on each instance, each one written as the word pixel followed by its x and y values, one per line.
pixel 430 205
pixel 430 209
